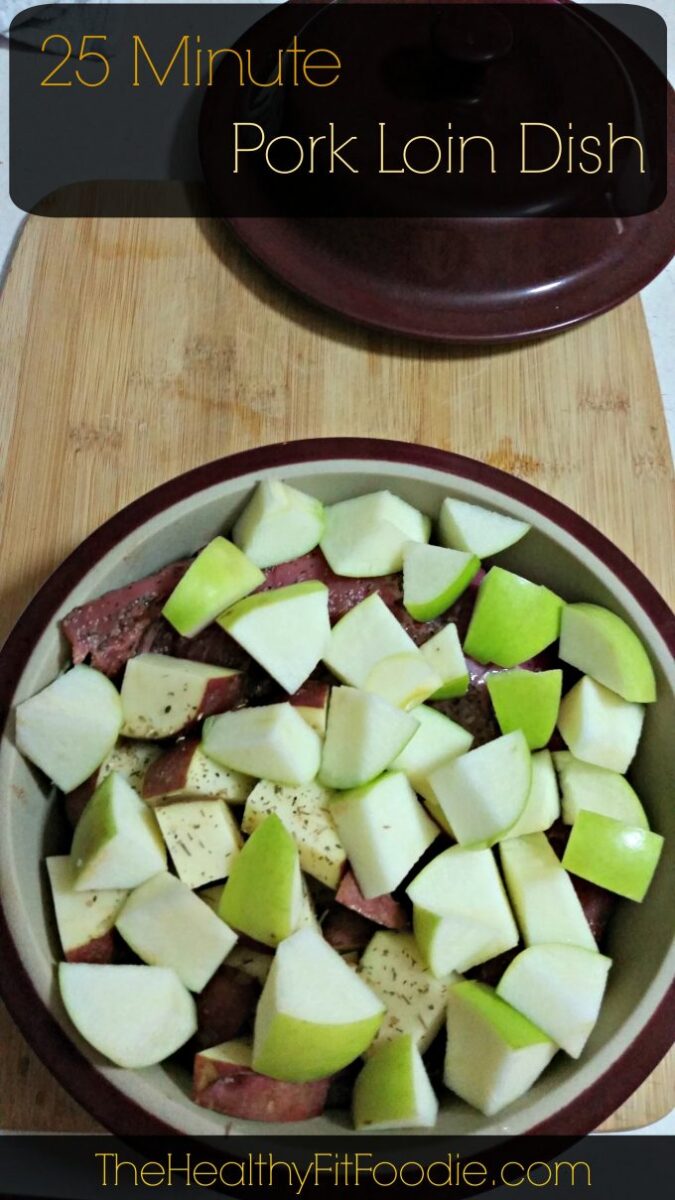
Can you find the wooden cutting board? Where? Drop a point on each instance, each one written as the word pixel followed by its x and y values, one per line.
pixel 131 351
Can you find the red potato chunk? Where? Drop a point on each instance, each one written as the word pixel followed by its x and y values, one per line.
pixel 346 930
pixel 226 1004
pixel 98 950
pixel 382 910
pixel 235 1090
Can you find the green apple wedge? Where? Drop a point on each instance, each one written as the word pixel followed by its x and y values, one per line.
pixel 461 916
pixel 218 577
pixel 393 1090
pixel 286 630
pixel 482 793
pixel 597 790
pixel 527 700
pixel 436 740
pixel 162 695
pixel 202 838
pixel 599 643
pixel 404 680
pixel 384 830
pixel 69 727
pixel 616 856
pixel 278 524
pixel 443 652
pixel 434 577
pixel 477 530
pixel 560 988
pixel 306 812
pixel 543 802
pixel 494 1054
pixel 546 905
pixel 365 635
pixel 269 742
pixel 134 1015
pixel 366 536
pixel 364 735
pixel 315 1015
pixel 512 621
pixel 84 919
pixel 166 925
pixel 263 896
pixel 599 727
pixel 415 1001
pixel 117 842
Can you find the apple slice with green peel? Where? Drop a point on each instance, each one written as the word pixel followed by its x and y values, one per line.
pixel 404 680
pixel 599 727
pixel 285 630
pixel 483 793
pixel 306 812
pixel 560 989
pixel 184 772
pixel 278 524
pixel 384 830
pixel 461 916
pixel 131 760
pixel 434 577
pixel 494 1054
pixel 263 895
pixel 513 619
pixel 84 919
pixel 393 1091
pixel 527 700
pixel 600 644
pixel 365 635
pixel 315 1015
pixel 168 926
pixel 616 856
pixel 597 790
pixel 436 740
pixel 270 742
pixel 162 696
pixel 366 536
pixel 224 1081
pixel 134 1015
pixel 117 842
pixel 69 727
pixel 364 735
pixel 443 652
pixel 202 838
pixel 218 577
pixel 546 905
pixel 415 1001
pixel 478 530
pixel 543 802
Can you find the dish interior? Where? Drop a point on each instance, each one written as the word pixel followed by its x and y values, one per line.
pixel 640 936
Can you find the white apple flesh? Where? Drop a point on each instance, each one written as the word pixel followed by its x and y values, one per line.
pixel 166 925
pixel 461 916
pixel 560 988
pixel 278 524
pixel 117 842
pixel 285 630
pixel 482 793
pixel 478 530
pixel 270 742
pixel 69 727
pixel 315 1015
pixel 599 643
pixel 434 577
pixel 384 830
pixel 596 789
pixel 403 680
pixel 443 652
pixel 368 633
pixel 543 802
pixel 134 1015
pixel 364 734
pixel 599 727
pixel 366 536
pixel 437 740
pixel 218 577
pixel 546 905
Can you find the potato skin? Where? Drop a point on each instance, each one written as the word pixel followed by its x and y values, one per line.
pixel 240 1092
pixel 382 910
pixel 98 950
pixel 226 1004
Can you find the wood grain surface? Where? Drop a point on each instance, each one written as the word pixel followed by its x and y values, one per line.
pixel 133 350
